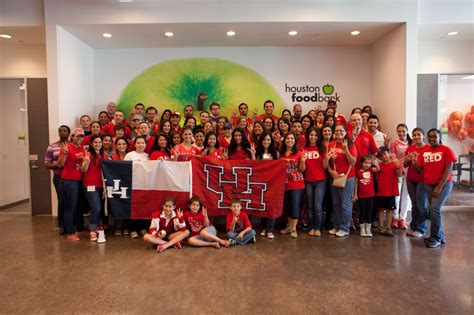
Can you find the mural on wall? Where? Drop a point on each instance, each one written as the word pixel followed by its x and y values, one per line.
pixel 175 83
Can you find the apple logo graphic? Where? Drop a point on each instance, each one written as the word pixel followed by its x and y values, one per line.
pixel 328 89
pixel 200 82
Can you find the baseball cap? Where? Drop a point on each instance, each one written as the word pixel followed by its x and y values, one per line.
pixel 176 114
pixel 139 117
pixel 78 131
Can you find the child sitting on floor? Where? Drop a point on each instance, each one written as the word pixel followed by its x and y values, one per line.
pixel 167 228
pixel 202 232
pixel 239 228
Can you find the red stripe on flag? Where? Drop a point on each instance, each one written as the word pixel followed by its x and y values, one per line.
pixel 146 202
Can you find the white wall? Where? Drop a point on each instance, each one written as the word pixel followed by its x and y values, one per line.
pixel 388 81
pixel 446 56
pixel 76 78
pixel 23 61
pixel 348 69
pixel 14 181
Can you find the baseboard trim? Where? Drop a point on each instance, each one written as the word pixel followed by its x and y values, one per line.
pixel 13 204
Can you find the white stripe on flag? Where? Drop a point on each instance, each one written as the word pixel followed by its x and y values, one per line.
pixel 161 175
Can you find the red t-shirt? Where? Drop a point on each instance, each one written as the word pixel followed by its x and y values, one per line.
pixel 109 128
pixel 239 154
pixel 365 183
pixel 149 145
pixel 301 142
pixel 223 143
pixel 294 177
pixel 216 154
pixel 93 176
pixel 263 116
pixel 412 174
pixel 314 165
pixel 242 223
pixel 72 167
pixel 341 162
pixel 195 222
pixel 387 180
pixel 434 162
pixel 185 154
pixel 364 143
pixel 159 155
pixel 116 157
pixel 340 119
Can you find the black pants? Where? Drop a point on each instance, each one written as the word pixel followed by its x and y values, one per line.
pixel 366 206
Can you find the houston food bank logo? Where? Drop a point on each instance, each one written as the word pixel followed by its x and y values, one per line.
pixel 318 94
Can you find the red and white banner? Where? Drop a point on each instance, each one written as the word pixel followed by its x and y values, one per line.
pixel 260 185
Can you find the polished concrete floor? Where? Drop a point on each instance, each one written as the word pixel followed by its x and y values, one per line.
pixel 43 273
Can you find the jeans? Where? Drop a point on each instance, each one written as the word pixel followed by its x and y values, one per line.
pixel 402 202
pixel 247 236
pixel 97 205
pixel 292 202
pixel 342 201
pixel 71 190
pixel 268 224
pixel 418 206
pixel 435 205
pixel 329 219
pixel 59 194
pixel 366 206
pixel 315 196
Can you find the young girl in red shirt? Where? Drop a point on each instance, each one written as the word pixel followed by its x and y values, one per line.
pixel 211 146
pixel 387 189
pixel 161 148
pixel 185 151
pixel 202 233
pixel 167 227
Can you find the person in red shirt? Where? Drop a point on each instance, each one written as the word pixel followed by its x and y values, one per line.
pixel 92 182
pixel 95 130
pixel 362 139
pixel 294 184
pixel 297 129
pixel 111 109
pixel 342 154
pixel 161 148
pixel 226 137
pixel 118 118
pixel 268 107
pixel 239 148
pixel 103 119
pixel 121 146
pixel 315 181
pixel 238 226
pixel 70 158
pixel 167 227
pixel 144 131
pixel 387 189
pixel 211 146
pixel 202 233
pixel 185 151
pixel 174 120
pixel 415 187
pixel 437 164
pixel 243 111
pixel 339 118
pixel 365 192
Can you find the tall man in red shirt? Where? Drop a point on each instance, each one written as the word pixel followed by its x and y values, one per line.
pixel 362 139
pixel 118 118
pixel 339 118
pixel 268 106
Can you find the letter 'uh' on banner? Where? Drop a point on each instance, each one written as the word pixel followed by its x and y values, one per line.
pixel 137 189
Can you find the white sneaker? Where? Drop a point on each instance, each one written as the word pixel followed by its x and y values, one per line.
pixel 332 231
pixel 362 230
pixel 368 230
pixel 286 230
pixel 263 233
pixel 416 234
pixel 134 234
pixel 342 233
pixel 294 234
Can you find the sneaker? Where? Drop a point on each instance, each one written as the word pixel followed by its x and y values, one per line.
pixel 311 232
pixel 118 233
pixel 368 232
pixel 286 230
pixel 363 232
pixel 428 239
pixel 232 241
pixel 294 234
pixel 178 245
pixel 389 232
pixel 73 237
pixel 134 234
pixel 433 244
pixel 263 233
pixel 254 240
pixel 395 223
pixel 126 232
pixel 270 235
pixel 317 233
pixel 93 236
pixel 342 233
pixel 332 231
pixel 402 224
pixel 417 234
pixel 382 230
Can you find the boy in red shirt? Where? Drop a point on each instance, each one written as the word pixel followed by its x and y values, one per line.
pixel 387 188
pixel 239 228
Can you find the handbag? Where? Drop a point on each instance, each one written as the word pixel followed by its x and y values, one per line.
pixel 340 182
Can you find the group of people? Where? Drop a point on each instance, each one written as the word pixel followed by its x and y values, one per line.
pixel 333 166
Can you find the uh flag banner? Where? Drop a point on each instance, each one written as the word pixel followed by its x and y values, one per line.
pixel 137 189
pixel 260 185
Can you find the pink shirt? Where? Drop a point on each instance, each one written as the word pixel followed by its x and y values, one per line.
pixel 399 148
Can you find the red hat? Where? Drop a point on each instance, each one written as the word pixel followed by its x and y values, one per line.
pixel 176 114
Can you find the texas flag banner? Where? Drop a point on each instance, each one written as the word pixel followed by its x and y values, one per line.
pixel 137 189
pixel 260 185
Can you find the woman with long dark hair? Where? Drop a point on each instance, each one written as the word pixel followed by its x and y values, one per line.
pixel 239 148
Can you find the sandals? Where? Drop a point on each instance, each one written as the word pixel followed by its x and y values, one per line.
pixel 178 245
pixel 160 249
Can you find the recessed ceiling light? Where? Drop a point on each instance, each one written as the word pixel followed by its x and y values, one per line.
pixel 169 34
pixel 230 33
pixel 355 33
pixel 107 35
pixel 125 1
pixel 292 33
pixel 5 36
pixel 452 33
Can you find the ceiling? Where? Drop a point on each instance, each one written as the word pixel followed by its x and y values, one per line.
pixel 214 34
pixel 23 35
pixel 435 32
